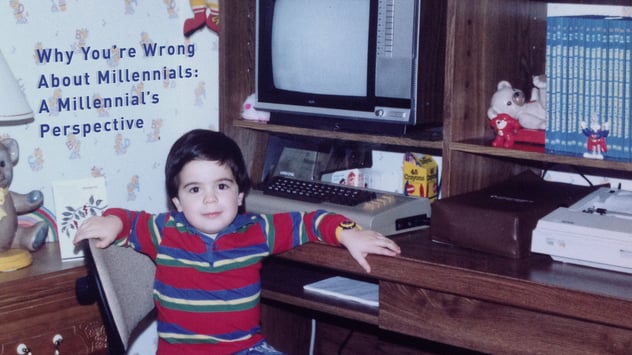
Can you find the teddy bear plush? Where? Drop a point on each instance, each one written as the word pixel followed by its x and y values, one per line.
pixel 12 204
pixel 511 101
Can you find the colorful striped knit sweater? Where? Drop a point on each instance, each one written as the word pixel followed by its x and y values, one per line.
pixel 207 290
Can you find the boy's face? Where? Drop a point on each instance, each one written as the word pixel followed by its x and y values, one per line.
pixel 208 195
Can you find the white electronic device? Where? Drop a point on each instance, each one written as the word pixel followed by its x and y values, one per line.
pixel 596 231
pixel 387 213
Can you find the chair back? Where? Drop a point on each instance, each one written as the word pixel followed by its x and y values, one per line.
pixel 124 281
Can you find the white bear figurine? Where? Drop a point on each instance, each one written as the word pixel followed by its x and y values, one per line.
pixel 511 101
pixel 248 111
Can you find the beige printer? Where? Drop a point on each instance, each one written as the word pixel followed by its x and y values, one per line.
pixel 596 231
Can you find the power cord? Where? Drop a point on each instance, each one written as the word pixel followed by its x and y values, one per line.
pixel 344 342
pixel 575 170
pixel 312 338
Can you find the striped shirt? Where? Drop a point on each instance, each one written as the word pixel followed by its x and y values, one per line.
pixel 207 290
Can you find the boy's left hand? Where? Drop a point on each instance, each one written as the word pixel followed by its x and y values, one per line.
pixel 361 243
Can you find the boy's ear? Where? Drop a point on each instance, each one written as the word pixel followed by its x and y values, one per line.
pixel 176 203
pixel 240 199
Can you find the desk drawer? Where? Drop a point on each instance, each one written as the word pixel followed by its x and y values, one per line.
pixel 491 327
pixel 77 338
pixel 33 310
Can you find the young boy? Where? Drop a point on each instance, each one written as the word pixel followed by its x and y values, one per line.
pixel 208 252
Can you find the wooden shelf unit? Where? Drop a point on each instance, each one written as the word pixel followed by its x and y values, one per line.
pixel 482 42
pixel 485 41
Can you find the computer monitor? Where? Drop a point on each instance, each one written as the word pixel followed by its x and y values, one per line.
pixel 349 65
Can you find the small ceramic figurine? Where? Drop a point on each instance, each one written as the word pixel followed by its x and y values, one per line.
pixel 13 235
pixel 248 111
pixel 595 137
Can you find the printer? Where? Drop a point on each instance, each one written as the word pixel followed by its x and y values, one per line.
pixel 596 231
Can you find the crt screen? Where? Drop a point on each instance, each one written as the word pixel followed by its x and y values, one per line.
pixel 321 47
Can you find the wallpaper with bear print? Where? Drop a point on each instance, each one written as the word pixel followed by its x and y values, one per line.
pixel 112 85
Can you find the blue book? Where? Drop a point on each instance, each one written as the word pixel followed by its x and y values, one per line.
pixel 618 140
pixel 554 75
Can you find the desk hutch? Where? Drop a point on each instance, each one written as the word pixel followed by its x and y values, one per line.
pixel 479 42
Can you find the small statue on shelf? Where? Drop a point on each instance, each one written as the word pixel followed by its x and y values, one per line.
pixel 595 137
pixel 248 111
pixel 17 240
pixel 506 128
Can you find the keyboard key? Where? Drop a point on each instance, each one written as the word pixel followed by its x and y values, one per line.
pixel 316 192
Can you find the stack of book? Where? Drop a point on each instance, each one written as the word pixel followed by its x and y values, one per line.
pixel 589 68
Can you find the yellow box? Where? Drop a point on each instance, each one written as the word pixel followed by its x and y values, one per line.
pixel 420 176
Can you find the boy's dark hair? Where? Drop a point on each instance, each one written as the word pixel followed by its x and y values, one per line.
pixel 202 144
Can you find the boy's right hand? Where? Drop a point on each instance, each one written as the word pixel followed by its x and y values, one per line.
pixel 104 229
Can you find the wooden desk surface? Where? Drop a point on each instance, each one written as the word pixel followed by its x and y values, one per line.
pixel 46 260
pixel 564 298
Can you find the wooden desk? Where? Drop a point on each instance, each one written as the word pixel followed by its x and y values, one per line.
pixel 38 302
pixel 470 299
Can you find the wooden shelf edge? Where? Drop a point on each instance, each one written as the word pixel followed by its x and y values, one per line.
pixel 474 147
pixel 358 137
pixel 334 308
pixel 479 148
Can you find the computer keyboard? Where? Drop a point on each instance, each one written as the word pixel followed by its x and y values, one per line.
pixel 387 213
pixel 316 192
